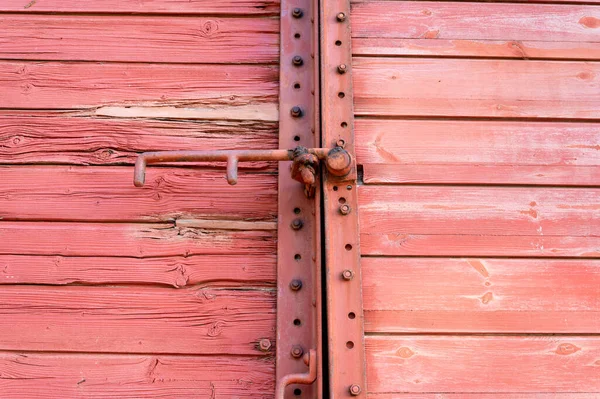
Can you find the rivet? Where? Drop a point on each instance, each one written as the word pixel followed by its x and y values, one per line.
pixel 264 345
pixel 297 351
pixel 342 68
pixel 297 224
pixel 355 390
pixel 341 17
pixel 295 285
pixel 340 143
pixel 297 60
pixel 296 111
pixel 297 13
pixel 345 209
pixel 347 275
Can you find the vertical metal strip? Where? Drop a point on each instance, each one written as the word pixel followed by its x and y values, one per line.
pixel 298 250
pixel 347 375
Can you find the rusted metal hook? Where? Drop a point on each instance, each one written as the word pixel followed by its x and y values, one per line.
pixel 310 359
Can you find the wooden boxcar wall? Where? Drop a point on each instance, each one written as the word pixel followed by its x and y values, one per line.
pixel 476 128
pixel 111 291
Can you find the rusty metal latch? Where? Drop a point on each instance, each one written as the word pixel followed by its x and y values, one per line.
pixel 305 166
pixel 310 359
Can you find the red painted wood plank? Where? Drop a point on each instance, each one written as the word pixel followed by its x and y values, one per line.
pixel 176 271
pixel 476 88
pixel 44 376
pixel 106 193
pixel 479 221
pixel 475 29
pixel 56 85
pixel 466 152
pixel 140 39
pixel 136 240
pixel 84 140
pixel 544 364
pixel 503 395
pixel 177 7
pixel 481 295
pixel 136 319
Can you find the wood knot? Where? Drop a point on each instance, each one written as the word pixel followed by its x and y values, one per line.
pixel 209 28
pixel 487 298
pixel 405 352
pixel 567 349
pixel 590 22
pixel 215 329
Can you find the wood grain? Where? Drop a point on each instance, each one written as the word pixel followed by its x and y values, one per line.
pixel 140 39
pixel 137 240
pixel 176 7
pixel 172 271
pixel 479 221
pixel 466 152
pixel 476 88
pixel 537 364
pixel 461 29
pixel 136 319
pixel 453 295
pixel 73 85
pixel 106 193
pixel 503 395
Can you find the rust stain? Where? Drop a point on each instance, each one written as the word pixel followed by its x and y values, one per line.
pixel 478 265
pixel 426 12
pixel 432 34
pixel 533 203
pixel 383 153
pixel 567 349
pixel 532 212
pixel 586 75
pixel 590 22
pixel 487 298
pixel 405 352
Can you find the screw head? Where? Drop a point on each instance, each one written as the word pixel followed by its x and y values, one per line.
pixel 297 60
pixel 296 111
pixel 341 17
pixel 297 224
pixel 347 275
pixel 264 345
pixel 355 390
pixel 297 12
pixel 345 209
pixel 342 68
pixel 297 351
pixel 295 285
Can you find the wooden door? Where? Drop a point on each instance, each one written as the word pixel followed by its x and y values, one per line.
pixel 476 131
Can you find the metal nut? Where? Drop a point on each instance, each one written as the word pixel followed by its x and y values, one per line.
pixel 264 345
pixel 347 275
pixel 297 60
pixel 295 285
pixel 342 68
pixel 297 224
pixel 341 17
pixel 297 351
pixel 355 390
pixel 296 111
pixel 297 13
pixel 345 209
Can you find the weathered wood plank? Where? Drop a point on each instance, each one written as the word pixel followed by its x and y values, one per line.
pixel 67 139
pixel 136 240
pixel 136 320
pixel 56 85
pixel 473 295
pixel 475 29
pixel 465 152
pixel 107 193
pixel 479 221
pixel 140 39
pixel 476 88
pixel 176 271
pixel 503 395
pixel 483 364
pixel 98 376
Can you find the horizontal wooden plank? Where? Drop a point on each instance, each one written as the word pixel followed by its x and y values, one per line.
pixel 466 152
pixel 476 88
pixel 137 240
pixel 483 364
pixel 479 221
pixel 176 7
pixel 140 39
pixel 136 319
pixel 481 295
pixel 56 85
pixel 503 395
pixel 464 29
pixel 44 376
pixel 83 140
pixel 107 193
pixel 176 271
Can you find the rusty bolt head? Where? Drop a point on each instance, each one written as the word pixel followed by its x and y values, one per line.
pixel 264 345
pixel 342 68
pixel 295 285
pixel 297 224
pixel 296 111
pixel 340 143
pixel 345 209
pixel 297 60
pixel 347 275
pixel 355 390
pixel 297 351
pixel 341 17
pixel 297 12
